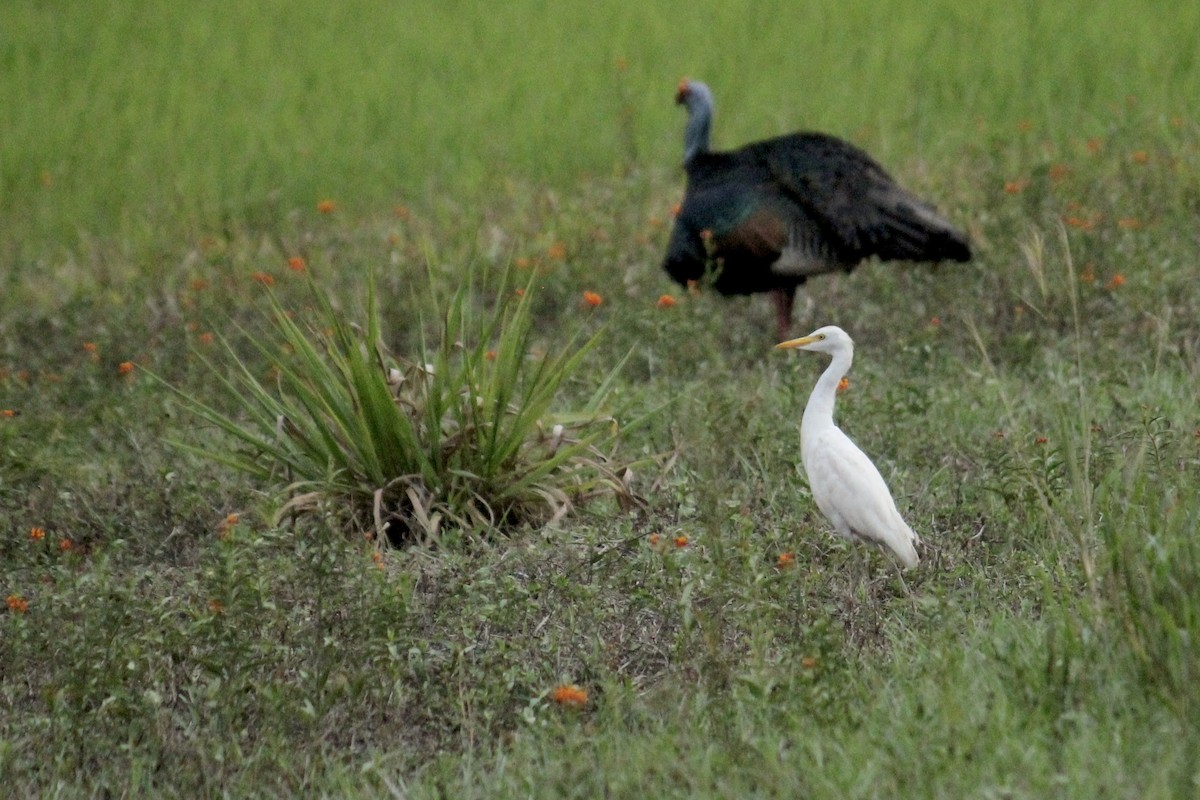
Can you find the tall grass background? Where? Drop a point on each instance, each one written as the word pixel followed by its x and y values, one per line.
pixel 1035 411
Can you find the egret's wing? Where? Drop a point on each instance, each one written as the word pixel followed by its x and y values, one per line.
pixel 850 491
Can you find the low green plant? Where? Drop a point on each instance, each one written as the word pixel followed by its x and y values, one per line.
pixel 465 432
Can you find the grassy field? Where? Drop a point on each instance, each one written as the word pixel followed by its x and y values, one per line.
pixel 167 173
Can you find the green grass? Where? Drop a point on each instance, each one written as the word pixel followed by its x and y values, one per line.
pixel 1035 415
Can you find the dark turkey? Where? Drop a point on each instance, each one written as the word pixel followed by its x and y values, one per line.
pixel 765 217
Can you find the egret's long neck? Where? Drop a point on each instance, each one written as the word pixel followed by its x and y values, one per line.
pixel 695 135
pixel 824 394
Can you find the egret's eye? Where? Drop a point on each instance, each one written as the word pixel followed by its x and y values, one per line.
pixel 820 336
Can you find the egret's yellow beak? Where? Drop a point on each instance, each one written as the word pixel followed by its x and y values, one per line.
pixel 790 343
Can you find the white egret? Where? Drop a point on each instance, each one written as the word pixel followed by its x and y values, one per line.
pixel 847 487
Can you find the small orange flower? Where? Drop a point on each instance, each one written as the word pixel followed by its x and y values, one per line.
pixel 90 347
pixel 1082 223
pixel 1093 145
pixel 1024 126
pixel 8 412
pixel 490 355
pixel 521 262
pixel 592 299
pixel 843 384
pixel 377 557
pixel 401 212
pixel 296 264
pixel 681 541
pixel 198 284
pixel 326 206
pixel 17 604
pixel 125 367
pixel 676 208
pixel 654 539
pixel 1058 172
pixel 785 560
pixel 808 662
pixel 1140 156
pixel 206 338
pixel 935 322
pixel 665 301
pixel 998 435
pixel 556 251
pixel 65 545
pixel 216 606
pixel 1040 440
pixel 569 695
pixel 1088 274
pixel 1115 282
pixel 655 221
pixel 1129 223
pixel 519 292
pixel 227 525
pixel 1015 187
pixel 37 534
pixel 262 277
pixel 693 287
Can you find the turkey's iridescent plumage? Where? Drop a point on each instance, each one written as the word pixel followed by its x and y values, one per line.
pixel 769 215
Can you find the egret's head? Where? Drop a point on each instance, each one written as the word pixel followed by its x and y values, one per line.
pixel 830 339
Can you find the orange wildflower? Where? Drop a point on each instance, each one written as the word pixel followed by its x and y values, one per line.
pixel 681 541
pixel 377 558
pixel 998 435
pixel 1024 126
pixel 592 299
pixel 693 287
pixel 1015 187
pixel 1040 440
pixel 935 322
pixel 65 545
pixel 401 212
pixel 90 347
pixel 785 560
pixel 326 206
pixel 1140 156
pixel 17 604
pixel 226 525
pixel 206 338
pixel 569 695
pixel 665 301
pixel 1129 223
pixel 1088 273
pixel 1093 145
pixel 125 367
pixel 654 539
pixel 676 208
pixel 37 534
pixel 843 384
pixel 490 355
pixel 296 264
pixel 519 292
pixel 216 606
pixel 521 262
pixel 1082 223
pixel 1115 282
pixel 1058 172
pixel 556 251
pixel 262 277
pixel 808 662
pixel 8 412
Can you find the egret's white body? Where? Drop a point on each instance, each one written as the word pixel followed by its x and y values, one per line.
pixel 847 487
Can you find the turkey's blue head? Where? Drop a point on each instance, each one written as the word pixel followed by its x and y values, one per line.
pixel 699 101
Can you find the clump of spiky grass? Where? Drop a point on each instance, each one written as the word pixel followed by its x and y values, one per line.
pixel 464 432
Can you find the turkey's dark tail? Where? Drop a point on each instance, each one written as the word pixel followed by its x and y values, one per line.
pixel 915 232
